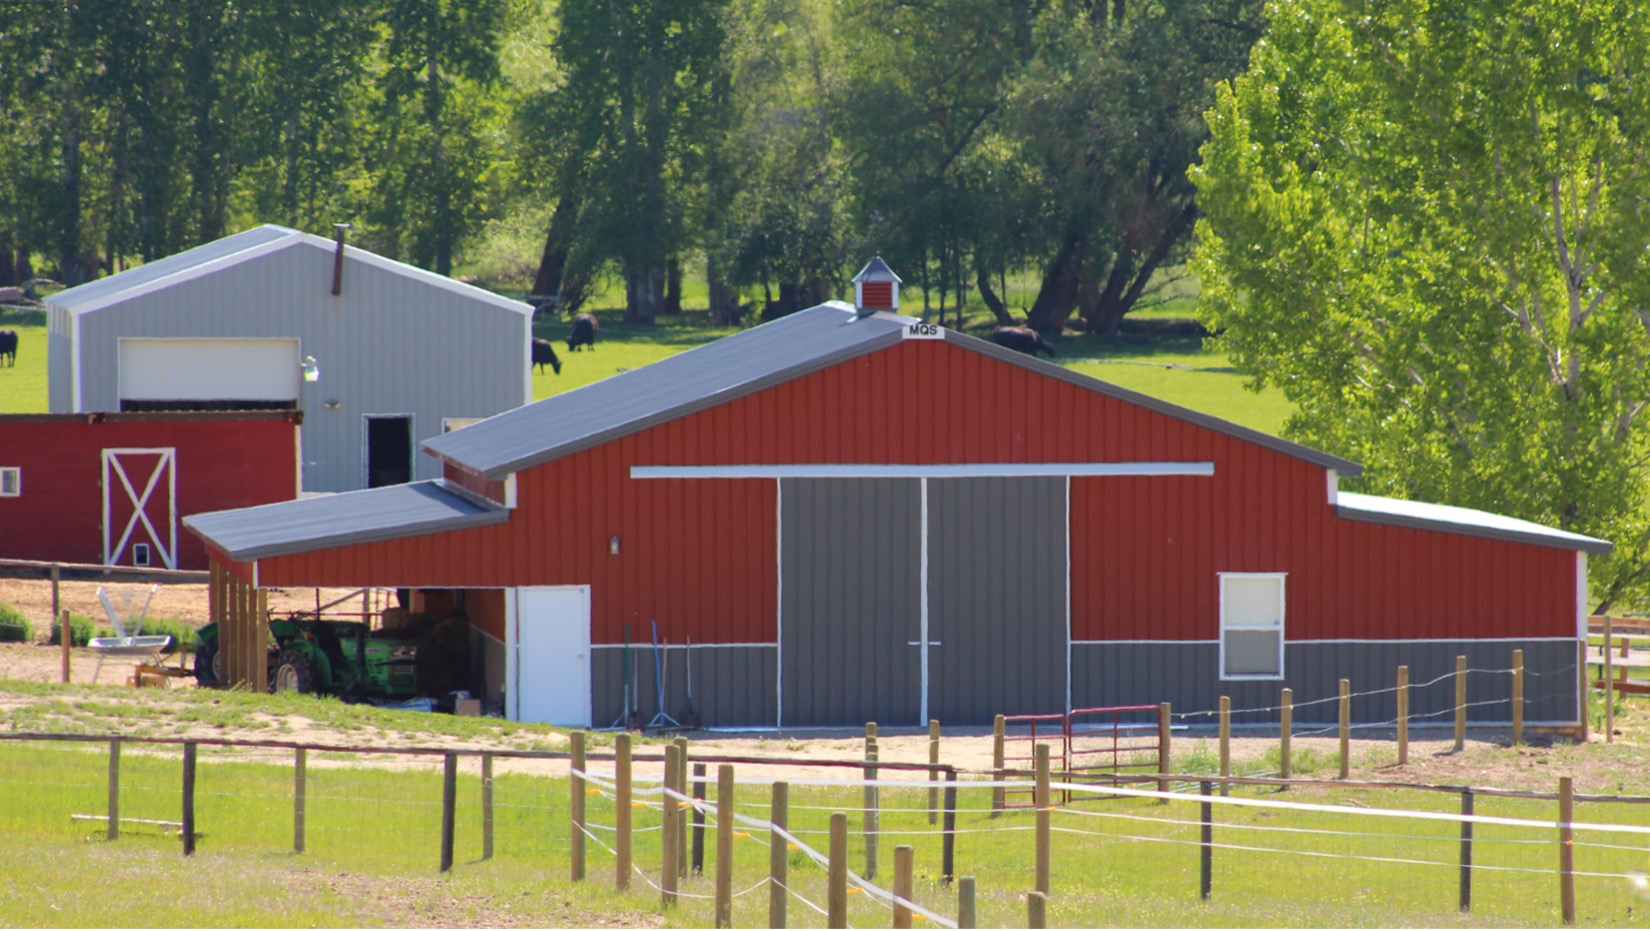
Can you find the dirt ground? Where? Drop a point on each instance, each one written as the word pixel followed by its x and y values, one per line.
pixel 1487 760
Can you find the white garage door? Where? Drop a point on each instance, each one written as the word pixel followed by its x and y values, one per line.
pixel 209 369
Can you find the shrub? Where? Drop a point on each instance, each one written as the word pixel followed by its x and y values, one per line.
pixel 181 632
pixel 81 631
pixel 14 627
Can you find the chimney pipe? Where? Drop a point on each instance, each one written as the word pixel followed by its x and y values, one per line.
pixel 338 258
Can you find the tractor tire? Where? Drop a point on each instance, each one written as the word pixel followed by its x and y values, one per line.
pixel 208 667
pixel 293 673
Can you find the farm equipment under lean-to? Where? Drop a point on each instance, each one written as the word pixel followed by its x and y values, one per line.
pixel 351 659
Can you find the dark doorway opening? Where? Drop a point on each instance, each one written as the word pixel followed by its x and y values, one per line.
pixel 389 450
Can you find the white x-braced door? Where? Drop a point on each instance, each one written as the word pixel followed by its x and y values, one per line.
pixel 140 506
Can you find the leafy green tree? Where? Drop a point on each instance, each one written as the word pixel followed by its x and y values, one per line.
pixel 1426 223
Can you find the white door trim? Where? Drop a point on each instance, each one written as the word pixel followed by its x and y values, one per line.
pixel 512 651
pixel 167 466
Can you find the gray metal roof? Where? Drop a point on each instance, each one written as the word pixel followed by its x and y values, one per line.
pixel 99 290
pixel 706 375
pixel 728 368
pixel 325 521
pixel 1423 516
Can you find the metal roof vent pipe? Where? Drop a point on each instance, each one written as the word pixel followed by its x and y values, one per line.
pixel 876 287
pixel 338 230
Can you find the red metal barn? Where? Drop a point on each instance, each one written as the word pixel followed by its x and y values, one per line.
pixel 845 540
pixel 113 488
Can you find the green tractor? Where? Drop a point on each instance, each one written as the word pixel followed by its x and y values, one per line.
pixel 345 658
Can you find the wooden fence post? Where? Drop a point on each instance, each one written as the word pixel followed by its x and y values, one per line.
pixel 1286 731
pixel 948 828
pixel 902 886
pixel 1518 698
pixel 868 824
pixel 449 808
pixel 575 806
pixel 682 809
pixel 1163 753
pixel 836 874
pixel 1566 850
pixel 1403 715
pixel 966 916
pixel 1609 685
pixel 778 858
pixel 933 773
pixel 1037 910
pixel 188 797
pixel 114 790
pixel 1466 851
pixel 1041 800
pixel 621 810
pixel 1346 728
pixel 724 846
pixel 1206 859
pixel 667 827
pixel 300 797
pixel 1225 743
pixel 486 806
pixel 999 795
pixel 65 636
pixel 699 819
pixel 1460 703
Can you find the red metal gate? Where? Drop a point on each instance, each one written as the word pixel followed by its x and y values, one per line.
pixel 1104 743
pixel 1021 735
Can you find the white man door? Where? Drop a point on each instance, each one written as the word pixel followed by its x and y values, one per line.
pixel 140 507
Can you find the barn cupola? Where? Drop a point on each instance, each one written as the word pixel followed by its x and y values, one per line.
pixel 876 287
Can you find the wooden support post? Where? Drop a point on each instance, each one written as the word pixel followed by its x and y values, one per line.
pixel 682 810
pixel 778 855
pixel 1225 743
pixel 114 789
pixel 1518 697
pixel 189 798
pixel 1609 685
pixel 999 795
pixel 1584 724
pixel 621 810
pixel 902 886
pixel 1206 858
pixel 1460 703
pixel 300 797
pixel 449 808
pixel 836 873
pixel 486 806
pixel 575 806
pixel 724 846
pixel 1041 800
pixel 869 825
pixel 966 916
pixel 948 827
pixel 260 634
pixel 667 831
pixel 1286 731
pixel 1037 910
pixel 698 819
pixel 933 774
pixel 1403 715
pixel 1346 728
pixel 1466 851
pixel 1566 850
pixel 1163 754
pixel 65 636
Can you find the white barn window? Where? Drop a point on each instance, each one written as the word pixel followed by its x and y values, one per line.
pixel 1251 625
pixel 11 481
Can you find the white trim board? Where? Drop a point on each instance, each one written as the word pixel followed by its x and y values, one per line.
pixel 648 645
pixel 1301 643
pixel 965 470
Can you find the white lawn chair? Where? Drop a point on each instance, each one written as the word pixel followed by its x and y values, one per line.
pixel 132 643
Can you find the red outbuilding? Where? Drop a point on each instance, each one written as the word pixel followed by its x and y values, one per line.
pixel 853 515
pixel 113 489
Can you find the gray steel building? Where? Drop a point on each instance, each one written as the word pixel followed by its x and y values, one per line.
pixel 379 355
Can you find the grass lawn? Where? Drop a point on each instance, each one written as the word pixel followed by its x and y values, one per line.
pixel 23 387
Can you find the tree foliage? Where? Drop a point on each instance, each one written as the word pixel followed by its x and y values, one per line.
pixel 1427 223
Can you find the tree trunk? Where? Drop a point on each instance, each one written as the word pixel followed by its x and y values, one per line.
pixel 8 265
pixel 673 287
pixel 644 293
pixel 553 262
pixel 68 216
pixel 724 302
pixel 995 304
pixel 1058 292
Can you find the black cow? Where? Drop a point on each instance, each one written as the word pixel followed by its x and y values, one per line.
pixel 584 332
pixel 1021 339
pixel 544 353
pixel 8 346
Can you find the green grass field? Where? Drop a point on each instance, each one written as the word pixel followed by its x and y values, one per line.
pixel 372 844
